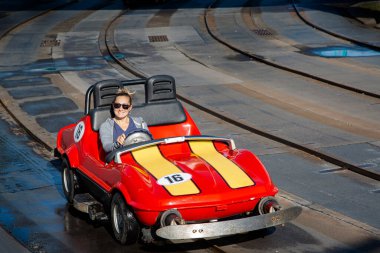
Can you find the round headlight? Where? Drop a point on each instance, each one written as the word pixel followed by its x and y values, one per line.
pixel 268 205
pixel 171 217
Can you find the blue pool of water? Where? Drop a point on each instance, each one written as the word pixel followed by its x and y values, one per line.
pixel 343 51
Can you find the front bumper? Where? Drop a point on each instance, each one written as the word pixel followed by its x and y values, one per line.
pixel 229 227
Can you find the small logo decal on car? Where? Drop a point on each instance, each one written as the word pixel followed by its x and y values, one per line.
pixel 176 178
pixel 79 131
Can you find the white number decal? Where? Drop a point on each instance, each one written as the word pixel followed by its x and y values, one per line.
pixel 79 131
pixel 172 179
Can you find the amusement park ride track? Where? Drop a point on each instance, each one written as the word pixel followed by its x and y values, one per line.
pixel 110 47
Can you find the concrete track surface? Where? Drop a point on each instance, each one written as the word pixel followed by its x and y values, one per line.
pixel 296 82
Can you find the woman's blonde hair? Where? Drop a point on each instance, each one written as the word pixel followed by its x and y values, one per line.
pixel 124 92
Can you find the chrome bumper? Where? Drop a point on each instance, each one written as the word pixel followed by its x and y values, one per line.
pixel 229 227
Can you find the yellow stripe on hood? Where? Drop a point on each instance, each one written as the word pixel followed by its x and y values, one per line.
pixel 157 165
pixel 231 173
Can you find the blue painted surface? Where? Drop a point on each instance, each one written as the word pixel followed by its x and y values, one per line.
pixel 6 217
pixel 22 234
pixel 30 190
pixel 54 105
pixel 33 208
pixel 26 82
pixel 53 123
pixel 59 65
pixel 28 92
pixel 343 51
pixel 118 56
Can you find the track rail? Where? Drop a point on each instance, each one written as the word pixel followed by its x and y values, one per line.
pixel 108 46
pixel 112 49
pixel 340 36
pixel 212 31
pixel 30 132
pixel 26 20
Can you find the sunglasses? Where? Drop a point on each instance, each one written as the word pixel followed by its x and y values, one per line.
pixel 117 106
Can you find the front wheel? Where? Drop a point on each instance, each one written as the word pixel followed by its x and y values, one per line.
pixel 124 224
pixel 68 181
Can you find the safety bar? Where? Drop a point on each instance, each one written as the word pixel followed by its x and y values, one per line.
pixel 116 154
pixel 90 92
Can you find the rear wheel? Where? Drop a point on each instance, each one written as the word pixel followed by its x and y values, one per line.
pixel 124 224
pixel 69 183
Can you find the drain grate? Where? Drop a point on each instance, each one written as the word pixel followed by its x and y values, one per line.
pixel 263 32
pixel 50 43
pixel 158 38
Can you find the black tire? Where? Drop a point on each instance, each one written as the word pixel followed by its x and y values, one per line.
pixel 125 227
pixel 69 184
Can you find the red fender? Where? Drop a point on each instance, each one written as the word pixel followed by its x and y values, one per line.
pixel 121 188
pixel 72 156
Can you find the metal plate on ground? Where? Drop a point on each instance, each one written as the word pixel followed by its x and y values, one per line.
pixel 48 106
pixel 53 123
pixel 364 155
pixel 35 92
pixel 34 81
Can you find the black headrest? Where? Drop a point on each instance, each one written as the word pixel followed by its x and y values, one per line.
pixel 105 91
pixel 160 88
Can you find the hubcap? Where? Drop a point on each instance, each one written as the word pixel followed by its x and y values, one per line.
pixel 65 181
pixel 117 219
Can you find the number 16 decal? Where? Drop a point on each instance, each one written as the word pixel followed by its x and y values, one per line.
pixel 172 179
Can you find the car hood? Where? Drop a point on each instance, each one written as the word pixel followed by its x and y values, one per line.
pixel 200 169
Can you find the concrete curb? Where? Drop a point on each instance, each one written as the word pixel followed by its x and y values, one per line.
pixel 287 197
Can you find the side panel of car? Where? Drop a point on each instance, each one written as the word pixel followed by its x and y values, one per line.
pixel 67 147
pixel 92 162
pixel 101 180
pixel 72 156
pixel 90 186
pixel 63 137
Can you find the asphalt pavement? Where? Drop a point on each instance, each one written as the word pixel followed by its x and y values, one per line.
pixel 9 244
pixel 27 110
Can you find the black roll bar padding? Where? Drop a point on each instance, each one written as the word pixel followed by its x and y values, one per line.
pixel 87 105
pixel 157 88
pixel 160 88
pixel 133 82
pixel 90 91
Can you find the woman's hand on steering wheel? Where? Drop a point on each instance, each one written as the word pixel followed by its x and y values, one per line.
pixel 121 139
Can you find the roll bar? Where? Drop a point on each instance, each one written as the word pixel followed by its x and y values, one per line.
pixel 90 91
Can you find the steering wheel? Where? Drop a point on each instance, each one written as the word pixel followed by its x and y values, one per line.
pixel 136 136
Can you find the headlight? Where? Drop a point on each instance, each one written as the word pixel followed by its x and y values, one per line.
pixel 268 205
pixel 171 217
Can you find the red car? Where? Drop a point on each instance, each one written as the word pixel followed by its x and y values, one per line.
pixel 178 185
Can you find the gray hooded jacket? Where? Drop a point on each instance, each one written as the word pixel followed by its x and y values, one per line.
pixel 106 132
